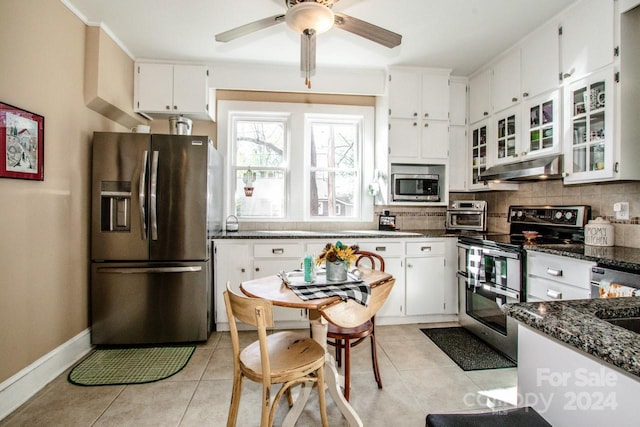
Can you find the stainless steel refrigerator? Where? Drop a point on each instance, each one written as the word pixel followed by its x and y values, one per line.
pixel 155 199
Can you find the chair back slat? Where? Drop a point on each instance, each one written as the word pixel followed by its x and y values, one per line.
pixel 244 309
pixel 350 314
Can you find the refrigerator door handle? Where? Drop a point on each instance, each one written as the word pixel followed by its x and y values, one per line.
pixel 153 196
pixel 146 270
pixel 142 193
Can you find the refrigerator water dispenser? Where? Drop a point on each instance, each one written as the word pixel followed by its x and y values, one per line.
pixel 115 205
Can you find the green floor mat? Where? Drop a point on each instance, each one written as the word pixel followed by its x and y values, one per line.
pixel 130 365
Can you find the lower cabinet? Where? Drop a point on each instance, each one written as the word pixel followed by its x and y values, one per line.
pixel 424 269
pixel 553 277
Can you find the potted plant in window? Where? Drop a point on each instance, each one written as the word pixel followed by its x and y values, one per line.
pixel 337 259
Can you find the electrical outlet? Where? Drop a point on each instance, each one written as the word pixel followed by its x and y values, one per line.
pixel 622 210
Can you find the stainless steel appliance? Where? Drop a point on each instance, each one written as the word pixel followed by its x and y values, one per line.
pixel 491 267
pixel 154 200
pixel 415 187
pixel 608 282
pixel 467 215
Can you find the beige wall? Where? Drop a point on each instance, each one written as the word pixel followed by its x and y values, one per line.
pixel 44 243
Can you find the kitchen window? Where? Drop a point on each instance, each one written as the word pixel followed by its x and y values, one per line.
pixel 303 162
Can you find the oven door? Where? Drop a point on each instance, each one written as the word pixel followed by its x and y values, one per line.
pixel 484 301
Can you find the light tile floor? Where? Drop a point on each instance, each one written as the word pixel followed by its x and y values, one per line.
pixel 418 379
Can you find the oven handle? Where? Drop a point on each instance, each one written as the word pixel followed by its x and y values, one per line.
pixel 487 287
pixel 491 252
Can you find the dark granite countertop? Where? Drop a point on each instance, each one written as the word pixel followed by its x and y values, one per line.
pixel 618 257
pixel 579 324
pixel 310 234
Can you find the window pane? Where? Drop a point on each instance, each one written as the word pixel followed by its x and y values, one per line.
pixel 268 195
pixel 260 143
pixel 333 194
pixel 333 145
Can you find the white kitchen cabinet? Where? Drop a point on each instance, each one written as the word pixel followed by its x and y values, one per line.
pixel 479 134
pixel 540 61
pixel 418 115
pixel 505 90
pixel 232 263
pixel 587 38
pixel 553 277
pixel 503 147
pixel 169 89
pixel 480 96
pixel 425 277
pixel 270 257
pixel 418 141
pixel 541 126
pixel 416 93
pixel 589 128
pixel 393 253
pixel 458 158
pixel 458 101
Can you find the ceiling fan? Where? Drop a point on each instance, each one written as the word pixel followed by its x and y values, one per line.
pixel 311 17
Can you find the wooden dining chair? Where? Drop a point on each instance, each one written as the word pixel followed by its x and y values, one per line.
pixel 344 338
pixel 286 358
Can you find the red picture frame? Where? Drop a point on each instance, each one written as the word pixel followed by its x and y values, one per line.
pixel 22 142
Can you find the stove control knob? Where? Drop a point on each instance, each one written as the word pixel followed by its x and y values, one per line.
pixel 520 214
pixel 568 215
pixel 558 215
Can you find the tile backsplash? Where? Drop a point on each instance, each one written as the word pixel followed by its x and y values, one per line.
pixel 600 197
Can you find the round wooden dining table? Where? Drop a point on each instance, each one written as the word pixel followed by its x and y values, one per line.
pixel 273 289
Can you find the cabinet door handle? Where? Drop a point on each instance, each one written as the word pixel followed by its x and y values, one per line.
pixel 415 114
pixel 554 294
pixel 554 272
pixel 175 107
pixel 514 99
pixel 415 124
pixel 525 94
pixel 242 270
pixel 426 125
pixel 485 113
pixel 409 265
pixel 425 249
pixel 381 248
pixel 277 251
pixel 257 268
pixel 167 107
pixel 426 114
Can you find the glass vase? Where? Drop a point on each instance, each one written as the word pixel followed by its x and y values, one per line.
pixel 336 271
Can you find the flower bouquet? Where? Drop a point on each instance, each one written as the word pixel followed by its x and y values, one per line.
pixel 337 259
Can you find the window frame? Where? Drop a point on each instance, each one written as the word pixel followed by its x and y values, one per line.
pixel 297 178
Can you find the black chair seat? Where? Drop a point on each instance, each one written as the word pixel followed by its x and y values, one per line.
pixel 511 417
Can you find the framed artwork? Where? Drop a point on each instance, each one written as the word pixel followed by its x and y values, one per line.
pixel 22 142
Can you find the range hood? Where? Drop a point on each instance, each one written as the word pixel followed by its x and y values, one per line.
pixel 530 170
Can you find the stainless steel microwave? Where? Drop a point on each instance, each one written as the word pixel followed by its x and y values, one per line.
pixel 415 187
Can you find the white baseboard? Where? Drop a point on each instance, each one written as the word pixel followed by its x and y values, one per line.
pixel 22 386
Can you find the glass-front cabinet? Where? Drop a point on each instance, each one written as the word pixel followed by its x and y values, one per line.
pixel 542 126
pixel 506 137
pixel 589 133
pixel 479 136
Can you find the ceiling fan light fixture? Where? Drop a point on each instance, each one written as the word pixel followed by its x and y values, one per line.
pixel 310 15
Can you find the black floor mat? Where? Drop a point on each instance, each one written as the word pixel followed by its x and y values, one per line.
pixel 467 350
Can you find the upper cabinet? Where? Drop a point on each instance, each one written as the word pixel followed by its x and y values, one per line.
pixel 541 125
pixel 167 89
pixel 587 38
pixel 540 61
pixel 480 96
pixel 589 131
pixel 506 81
pixel 458 101
pixel 418 115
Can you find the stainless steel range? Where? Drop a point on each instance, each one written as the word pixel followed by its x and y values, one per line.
pixel 491 268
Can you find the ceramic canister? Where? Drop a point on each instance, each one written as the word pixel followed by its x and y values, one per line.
pixel 599 232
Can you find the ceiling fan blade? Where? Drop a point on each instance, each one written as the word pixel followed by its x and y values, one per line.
pixel 249 28
pixel 368 31
pixel 308 55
